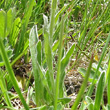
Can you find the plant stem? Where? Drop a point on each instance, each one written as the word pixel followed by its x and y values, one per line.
pixel 51 29
pixel 59 63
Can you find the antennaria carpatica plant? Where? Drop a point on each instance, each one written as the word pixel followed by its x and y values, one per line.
pixel 50 39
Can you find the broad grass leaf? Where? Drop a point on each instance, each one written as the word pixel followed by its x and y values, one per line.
pixel 10 19
pixel 99 91
pixel 15 31
pixel 2 23
pixel 28 11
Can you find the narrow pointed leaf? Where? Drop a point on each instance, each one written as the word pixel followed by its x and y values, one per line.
pixel 99 91
pixel 10 19
pixel 66 58
pixel 2 23
pixel 33 39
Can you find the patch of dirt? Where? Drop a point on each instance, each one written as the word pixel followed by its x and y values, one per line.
pixel 73 82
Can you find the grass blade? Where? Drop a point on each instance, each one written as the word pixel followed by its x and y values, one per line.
pixel 94 77
pixel 10 19
pixel 4 89
pixel 74 107
pixel 2 23
pixel 99 91
pixel 23 27
pixel 11 73
pixel 108 80
pixel 101 58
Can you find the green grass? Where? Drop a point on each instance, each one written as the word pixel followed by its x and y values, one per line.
pixel 50 34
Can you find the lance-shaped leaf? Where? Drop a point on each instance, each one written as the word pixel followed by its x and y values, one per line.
pixel 2 23
pixel 64 63
pixel 48 53
pixel 99 91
